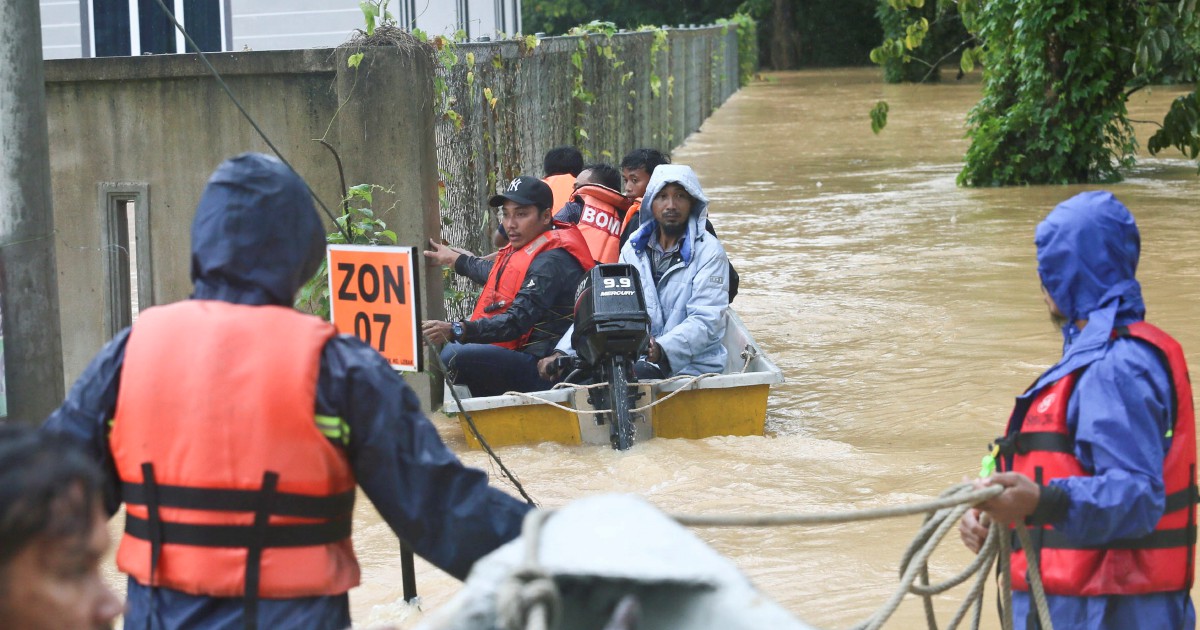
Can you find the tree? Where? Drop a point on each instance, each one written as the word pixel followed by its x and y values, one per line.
pixel 1057 77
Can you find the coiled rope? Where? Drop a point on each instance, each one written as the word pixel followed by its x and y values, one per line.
pixel 530 601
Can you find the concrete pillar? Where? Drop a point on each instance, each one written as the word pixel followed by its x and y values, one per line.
pixel 33 365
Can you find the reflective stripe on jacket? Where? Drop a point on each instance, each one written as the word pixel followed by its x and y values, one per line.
pixel 508 271
pixel 231 487
pixel 604 212
pixel 1043 449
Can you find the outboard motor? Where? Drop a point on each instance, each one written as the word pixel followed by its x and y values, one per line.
pixel 612 329
pixel 610 314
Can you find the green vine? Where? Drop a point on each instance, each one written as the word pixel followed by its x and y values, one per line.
pixel 1056 80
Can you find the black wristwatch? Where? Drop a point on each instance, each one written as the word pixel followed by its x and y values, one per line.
pixel 457 329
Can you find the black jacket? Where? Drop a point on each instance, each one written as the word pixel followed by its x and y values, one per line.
pixel 545 303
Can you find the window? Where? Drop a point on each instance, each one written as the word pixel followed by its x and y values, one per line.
pixel 135 27
pixel 126 242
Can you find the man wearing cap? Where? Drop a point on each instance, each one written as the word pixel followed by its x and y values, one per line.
pixel 528 295
pixel 1099 458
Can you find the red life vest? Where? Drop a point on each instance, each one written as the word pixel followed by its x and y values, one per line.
pixel 563 187
pixel 1043 449
pixel 509 269
pixel 230 487
pixel 601 219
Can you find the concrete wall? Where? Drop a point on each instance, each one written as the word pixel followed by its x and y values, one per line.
pixel 162 124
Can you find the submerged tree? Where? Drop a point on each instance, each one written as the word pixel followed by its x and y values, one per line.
pixel 1057 77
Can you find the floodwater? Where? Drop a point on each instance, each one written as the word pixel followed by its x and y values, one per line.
pixel 904 311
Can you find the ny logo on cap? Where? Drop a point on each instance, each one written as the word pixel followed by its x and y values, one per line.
pixel 514 184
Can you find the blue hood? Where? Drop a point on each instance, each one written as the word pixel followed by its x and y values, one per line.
pixel 256 238
pixel 1087 252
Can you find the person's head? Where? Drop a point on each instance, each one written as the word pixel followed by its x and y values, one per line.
pixel 524 209
pixel 256 229
pixel 53 535
pixel 638 166
pixel 599 173
pixel 673 199
pixel 562 161
pixel 1087 253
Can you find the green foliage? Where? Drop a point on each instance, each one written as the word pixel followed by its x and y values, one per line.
pixel 376 11
pixel 364 228
pixel 1053 109
pixel 917 37
pixel 747 33
pixel 879 115
pixel 1056 79
pixel 556 17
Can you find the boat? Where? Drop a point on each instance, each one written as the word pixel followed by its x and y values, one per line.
pixel 693 407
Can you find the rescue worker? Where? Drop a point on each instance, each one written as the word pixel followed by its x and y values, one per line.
pixel 235 428
pixel 598 210
pixel 684 276
pixel 528 296
pixel 561 166
pixel 1099 456
pixel 52 536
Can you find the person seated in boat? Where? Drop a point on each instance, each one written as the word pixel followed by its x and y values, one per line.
pixel 528 295
pixel 637 167
pixel 598 209
pixel 562 166
pixel 684 275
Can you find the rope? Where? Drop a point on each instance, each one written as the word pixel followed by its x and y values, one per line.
pixel 528 599
pixel 691 381
pixel 943 514
pixel 443 372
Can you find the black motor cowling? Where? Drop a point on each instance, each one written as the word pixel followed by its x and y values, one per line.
pixel 610 315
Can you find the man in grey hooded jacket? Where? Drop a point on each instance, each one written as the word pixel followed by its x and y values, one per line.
pixel 684 274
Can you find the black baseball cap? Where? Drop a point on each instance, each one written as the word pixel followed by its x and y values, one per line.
pixel 527 191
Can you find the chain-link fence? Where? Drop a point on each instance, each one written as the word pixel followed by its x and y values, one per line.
pixel 506 103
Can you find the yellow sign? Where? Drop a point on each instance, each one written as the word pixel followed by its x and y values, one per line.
pixel 373 295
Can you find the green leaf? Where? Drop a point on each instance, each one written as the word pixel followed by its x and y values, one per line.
pixel 353 60
pixel 370 12
pixel 361 191
pixel 389 235
pixel 879 115
pixel 967 61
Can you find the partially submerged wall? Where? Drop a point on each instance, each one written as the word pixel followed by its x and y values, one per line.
pixel 506 103
pixel 151 129
pixel 133 140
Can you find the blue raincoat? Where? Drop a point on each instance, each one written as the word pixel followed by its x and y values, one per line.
pixel 256 239
pixel 1119 412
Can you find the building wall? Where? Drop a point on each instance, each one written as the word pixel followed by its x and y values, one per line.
pixel 61 34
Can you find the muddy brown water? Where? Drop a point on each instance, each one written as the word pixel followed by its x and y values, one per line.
pixel 905 314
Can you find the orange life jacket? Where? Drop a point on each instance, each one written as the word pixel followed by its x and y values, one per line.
pixel 563 186
pixel 632 212
pixel 230 488
pixel 1043 449
pixel 509 269
pixel 600 220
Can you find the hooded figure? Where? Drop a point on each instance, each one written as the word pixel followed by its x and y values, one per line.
pixel 686 297
pixel 1102 446
pixel 232 403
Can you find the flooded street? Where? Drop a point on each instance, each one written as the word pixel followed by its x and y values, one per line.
pixel 905 314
